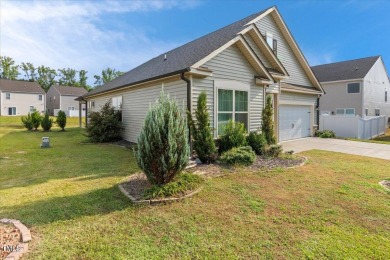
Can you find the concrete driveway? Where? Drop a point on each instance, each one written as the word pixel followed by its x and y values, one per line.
pixel 381 151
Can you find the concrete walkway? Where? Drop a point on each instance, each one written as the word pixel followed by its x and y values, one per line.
pixel 381 151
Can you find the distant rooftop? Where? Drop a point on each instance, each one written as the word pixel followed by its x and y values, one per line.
pixel 344 70
pixel 7 85
pixel 70 91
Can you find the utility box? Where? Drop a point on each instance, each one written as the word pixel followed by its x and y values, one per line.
pixel 45 142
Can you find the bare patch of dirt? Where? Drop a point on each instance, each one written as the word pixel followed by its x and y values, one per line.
pixel 9 237
pixel 136 184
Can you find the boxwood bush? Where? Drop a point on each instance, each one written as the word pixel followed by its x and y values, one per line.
pixel 233 136
pixel 257 141
pixel 243 155
pixel 325 134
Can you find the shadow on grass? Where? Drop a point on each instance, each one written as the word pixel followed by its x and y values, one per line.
pixel 97 202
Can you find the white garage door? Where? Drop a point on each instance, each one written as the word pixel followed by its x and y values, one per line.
pixel 294 122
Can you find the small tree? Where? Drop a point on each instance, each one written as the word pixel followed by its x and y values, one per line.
pixel 267 126
pixel 61 119
pixel 35 119
pixel 104 125
pixel 204 145
pixel 27 122
pixel 163 149
pixel 46 122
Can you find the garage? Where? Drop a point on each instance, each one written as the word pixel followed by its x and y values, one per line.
pixel 294 122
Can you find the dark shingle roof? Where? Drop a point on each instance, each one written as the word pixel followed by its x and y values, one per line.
pixel 179 59
pixel 7 85
pixel 344 70
pixel 70 91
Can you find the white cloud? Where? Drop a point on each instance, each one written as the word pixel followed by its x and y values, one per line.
pixel 69 34
pixel 317 58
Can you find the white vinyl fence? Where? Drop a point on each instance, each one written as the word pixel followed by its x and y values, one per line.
pixel 354 126
pixel 70 113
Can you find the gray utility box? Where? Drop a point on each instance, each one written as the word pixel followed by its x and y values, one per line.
pixel 45 142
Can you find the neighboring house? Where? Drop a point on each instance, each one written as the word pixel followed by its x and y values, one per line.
pixel 63 98
pixel 355 87
pixel 237 66
pixel 20 97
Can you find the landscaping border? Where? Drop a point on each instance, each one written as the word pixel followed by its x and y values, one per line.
pixel 383 184
pixel 26 237
pixel 155 201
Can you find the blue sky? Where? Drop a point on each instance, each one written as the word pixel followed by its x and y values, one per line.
pixel 94 35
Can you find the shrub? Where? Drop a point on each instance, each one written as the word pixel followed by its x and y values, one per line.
pixel 163 149
pixel 35 119
pixel 178 187
pixel 243 155
pixel 61 120
pixel 257 141
pixel 233 136
pixel 27 122
pixel 325 134
pixel 104 125
pixel 267 125
pixel 204 145
pixel 46 122
pixel 274 150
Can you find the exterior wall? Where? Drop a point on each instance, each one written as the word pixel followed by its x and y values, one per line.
pixel 22 102
pixel 69 101
pixel 337 97
pixel 376 83
pixel 291 98
pixel 230 65
pixel 53 100
pixel 136 103
pixel 257 50
pixel 284 52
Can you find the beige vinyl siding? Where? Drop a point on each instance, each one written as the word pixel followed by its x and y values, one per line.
pixel 274 88
pixel 230 65
pixel 136 103
pixel 257 50
pixel 53 100
pixel 69 101
pixel 22 102
pixel 284 52
pixel 292 97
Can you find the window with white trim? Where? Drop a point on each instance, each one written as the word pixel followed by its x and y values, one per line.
pixel 32 109
pixel 272 42
pixel 345 111
pixel 366 112
pixel 7 95
pixel 40 97
pixel 232 104
pixel 70 108
pixel 12 111
pixel 377 112
pixel 117 102
pixel 353 88
pixel 386 96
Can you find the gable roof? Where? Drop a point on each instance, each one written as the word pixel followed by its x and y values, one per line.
pixel 179 59
pixel 19 86
pixel 70 91
pixel 344 70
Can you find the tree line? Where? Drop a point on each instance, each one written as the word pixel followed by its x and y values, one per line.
pixel 47 77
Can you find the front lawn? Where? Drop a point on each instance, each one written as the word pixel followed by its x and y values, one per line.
pixel 332 207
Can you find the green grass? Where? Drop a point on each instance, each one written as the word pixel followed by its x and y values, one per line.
pixel 67 195
pixel 383 139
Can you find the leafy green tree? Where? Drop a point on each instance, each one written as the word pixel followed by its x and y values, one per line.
pixel 163 149
pixel 204 145
pixel 104 125
pixel 30 73
pixel 46 77
pixel 61 119
pixel 67 77
pixel 8 69
pixel 46 122
pixel 107 75
pixel 35 119
pixel 267 122
pixel 27 122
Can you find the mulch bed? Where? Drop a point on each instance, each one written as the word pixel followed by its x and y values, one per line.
pixel 136 185
pixel 9 236
pixel 385 184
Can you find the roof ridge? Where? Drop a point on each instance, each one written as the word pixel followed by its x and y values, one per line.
pixel 370 57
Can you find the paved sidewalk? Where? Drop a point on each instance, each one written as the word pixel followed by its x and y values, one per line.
pixel 381 151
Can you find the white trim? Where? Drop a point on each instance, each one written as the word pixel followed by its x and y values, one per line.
pixel 344 80
pixel 300 91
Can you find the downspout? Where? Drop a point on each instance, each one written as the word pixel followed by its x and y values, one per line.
pixel 318 111
pixel 188 104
